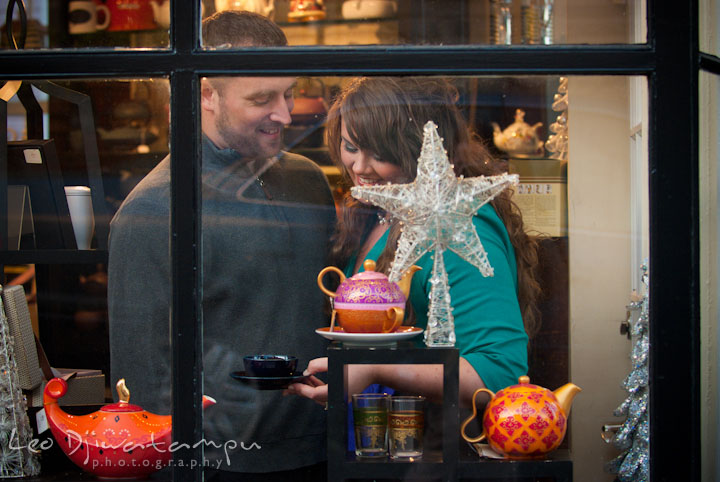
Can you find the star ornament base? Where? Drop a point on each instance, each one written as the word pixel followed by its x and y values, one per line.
pixel 436 212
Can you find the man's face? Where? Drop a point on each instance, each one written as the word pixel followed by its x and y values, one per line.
pixel 250 113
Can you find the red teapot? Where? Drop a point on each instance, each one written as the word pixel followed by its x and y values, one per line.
pixel 120 440
pixel 524 420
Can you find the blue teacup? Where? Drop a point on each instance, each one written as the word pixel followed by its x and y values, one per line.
pixel 267 366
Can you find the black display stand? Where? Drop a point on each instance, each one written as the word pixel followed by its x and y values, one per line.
pixel 455 462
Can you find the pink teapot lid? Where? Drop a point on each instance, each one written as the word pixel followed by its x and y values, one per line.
pixel 369 287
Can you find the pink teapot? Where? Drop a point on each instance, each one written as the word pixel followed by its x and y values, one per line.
pixel 120 440
pixel 368 302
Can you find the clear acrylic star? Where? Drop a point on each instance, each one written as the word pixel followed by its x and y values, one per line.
pixel 435 211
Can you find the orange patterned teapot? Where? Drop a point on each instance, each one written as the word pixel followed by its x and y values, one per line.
pixel 120 440
pixel 524 420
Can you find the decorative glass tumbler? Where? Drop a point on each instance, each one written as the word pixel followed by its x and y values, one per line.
pixel 406 422
pixel 370 414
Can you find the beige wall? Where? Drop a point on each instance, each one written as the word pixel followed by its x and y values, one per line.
pixel 599 239
pixel 709 90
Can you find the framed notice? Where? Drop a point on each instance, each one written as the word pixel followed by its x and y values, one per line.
pixel 542 194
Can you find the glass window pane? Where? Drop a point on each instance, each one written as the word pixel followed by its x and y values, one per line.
pixel 88 24
pixel 76 149
pixel 709 182
pixel 265 222
pixel 436 22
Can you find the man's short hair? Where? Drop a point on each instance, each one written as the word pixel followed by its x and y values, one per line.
pixel 235 28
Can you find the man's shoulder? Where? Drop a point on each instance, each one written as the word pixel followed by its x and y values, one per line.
pixel 152 193
pixel 289 161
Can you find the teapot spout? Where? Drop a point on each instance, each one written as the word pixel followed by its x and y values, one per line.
pixel 405 281
pixel 207 402
pixel 565 396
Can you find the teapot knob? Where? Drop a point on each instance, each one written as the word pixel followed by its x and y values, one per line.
pixel 369 265
pixel 524 380
pixel 123 391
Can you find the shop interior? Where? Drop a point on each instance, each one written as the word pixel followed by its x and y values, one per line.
pixel 566 171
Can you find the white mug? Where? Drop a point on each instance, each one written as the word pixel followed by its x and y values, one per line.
pixel 83 17
pixel 81 214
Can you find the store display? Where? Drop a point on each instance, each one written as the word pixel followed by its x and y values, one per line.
pixel 81 214
pixel 161 12
pixel 130 15
pixel 370 419
pixel 501 22
pixel 633 435
pixel 83 17
pixel 436 210
pixel 263 7
pixel 308 115
pixel 16 459
pixel 368 9
pixel 368 302
pixel 120 440
pixel 306 10
pixel 519 139
pixel 537 21
pixel 524 420
pixel 406 423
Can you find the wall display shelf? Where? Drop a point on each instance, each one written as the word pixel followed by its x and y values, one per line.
pixel 343 32
pixel 453 461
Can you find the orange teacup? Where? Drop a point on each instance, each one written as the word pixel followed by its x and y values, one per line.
pixel 370 320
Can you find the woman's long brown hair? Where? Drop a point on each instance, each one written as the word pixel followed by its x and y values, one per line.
pixel 386 117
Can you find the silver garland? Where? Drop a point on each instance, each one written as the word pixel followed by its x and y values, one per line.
pixel 633 436
pixel 16 460
pixel 435 212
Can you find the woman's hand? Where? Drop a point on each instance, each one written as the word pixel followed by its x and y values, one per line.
pixel 312 387
pixel 359 377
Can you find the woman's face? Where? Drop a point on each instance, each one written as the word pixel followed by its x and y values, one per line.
pixel 364 167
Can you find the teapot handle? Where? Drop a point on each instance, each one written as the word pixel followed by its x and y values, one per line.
pixel 474 414
pixel 331 294
pixel 395 317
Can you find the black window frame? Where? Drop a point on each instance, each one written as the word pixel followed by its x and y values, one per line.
pixel 670 60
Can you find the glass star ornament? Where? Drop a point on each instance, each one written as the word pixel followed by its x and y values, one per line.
pixel 435 212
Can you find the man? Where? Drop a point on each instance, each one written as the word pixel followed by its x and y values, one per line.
pixel 266 220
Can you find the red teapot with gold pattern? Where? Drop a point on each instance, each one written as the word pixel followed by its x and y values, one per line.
pixel 120 440
pixel 524 420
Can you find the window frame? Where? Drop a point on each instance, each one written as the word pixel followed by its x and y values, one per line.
pixel 670 60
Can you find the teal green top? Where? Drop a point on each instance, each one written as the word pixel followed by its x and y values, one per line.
pixel 488 325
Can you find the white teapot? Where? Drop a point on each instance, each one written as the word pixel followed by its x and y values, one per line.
pixel 263 7
pixel 519 139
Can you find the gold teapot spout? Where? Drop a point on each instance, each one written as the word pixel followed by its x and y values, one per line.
pixel 565 396
pixel 405 281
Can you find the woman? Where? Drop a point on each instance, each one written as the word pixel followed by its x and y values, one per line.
pixel 375 133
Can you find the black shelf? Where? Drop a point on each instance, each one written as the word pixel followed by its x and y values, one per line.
pixel 343 466
pixel 54 256
pixel 454 462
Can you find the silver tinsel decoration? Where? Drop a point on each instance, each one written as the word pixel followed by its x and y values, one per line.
pixel 435 212
pixel 633 436
pixel 557 143
pixel 16 460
